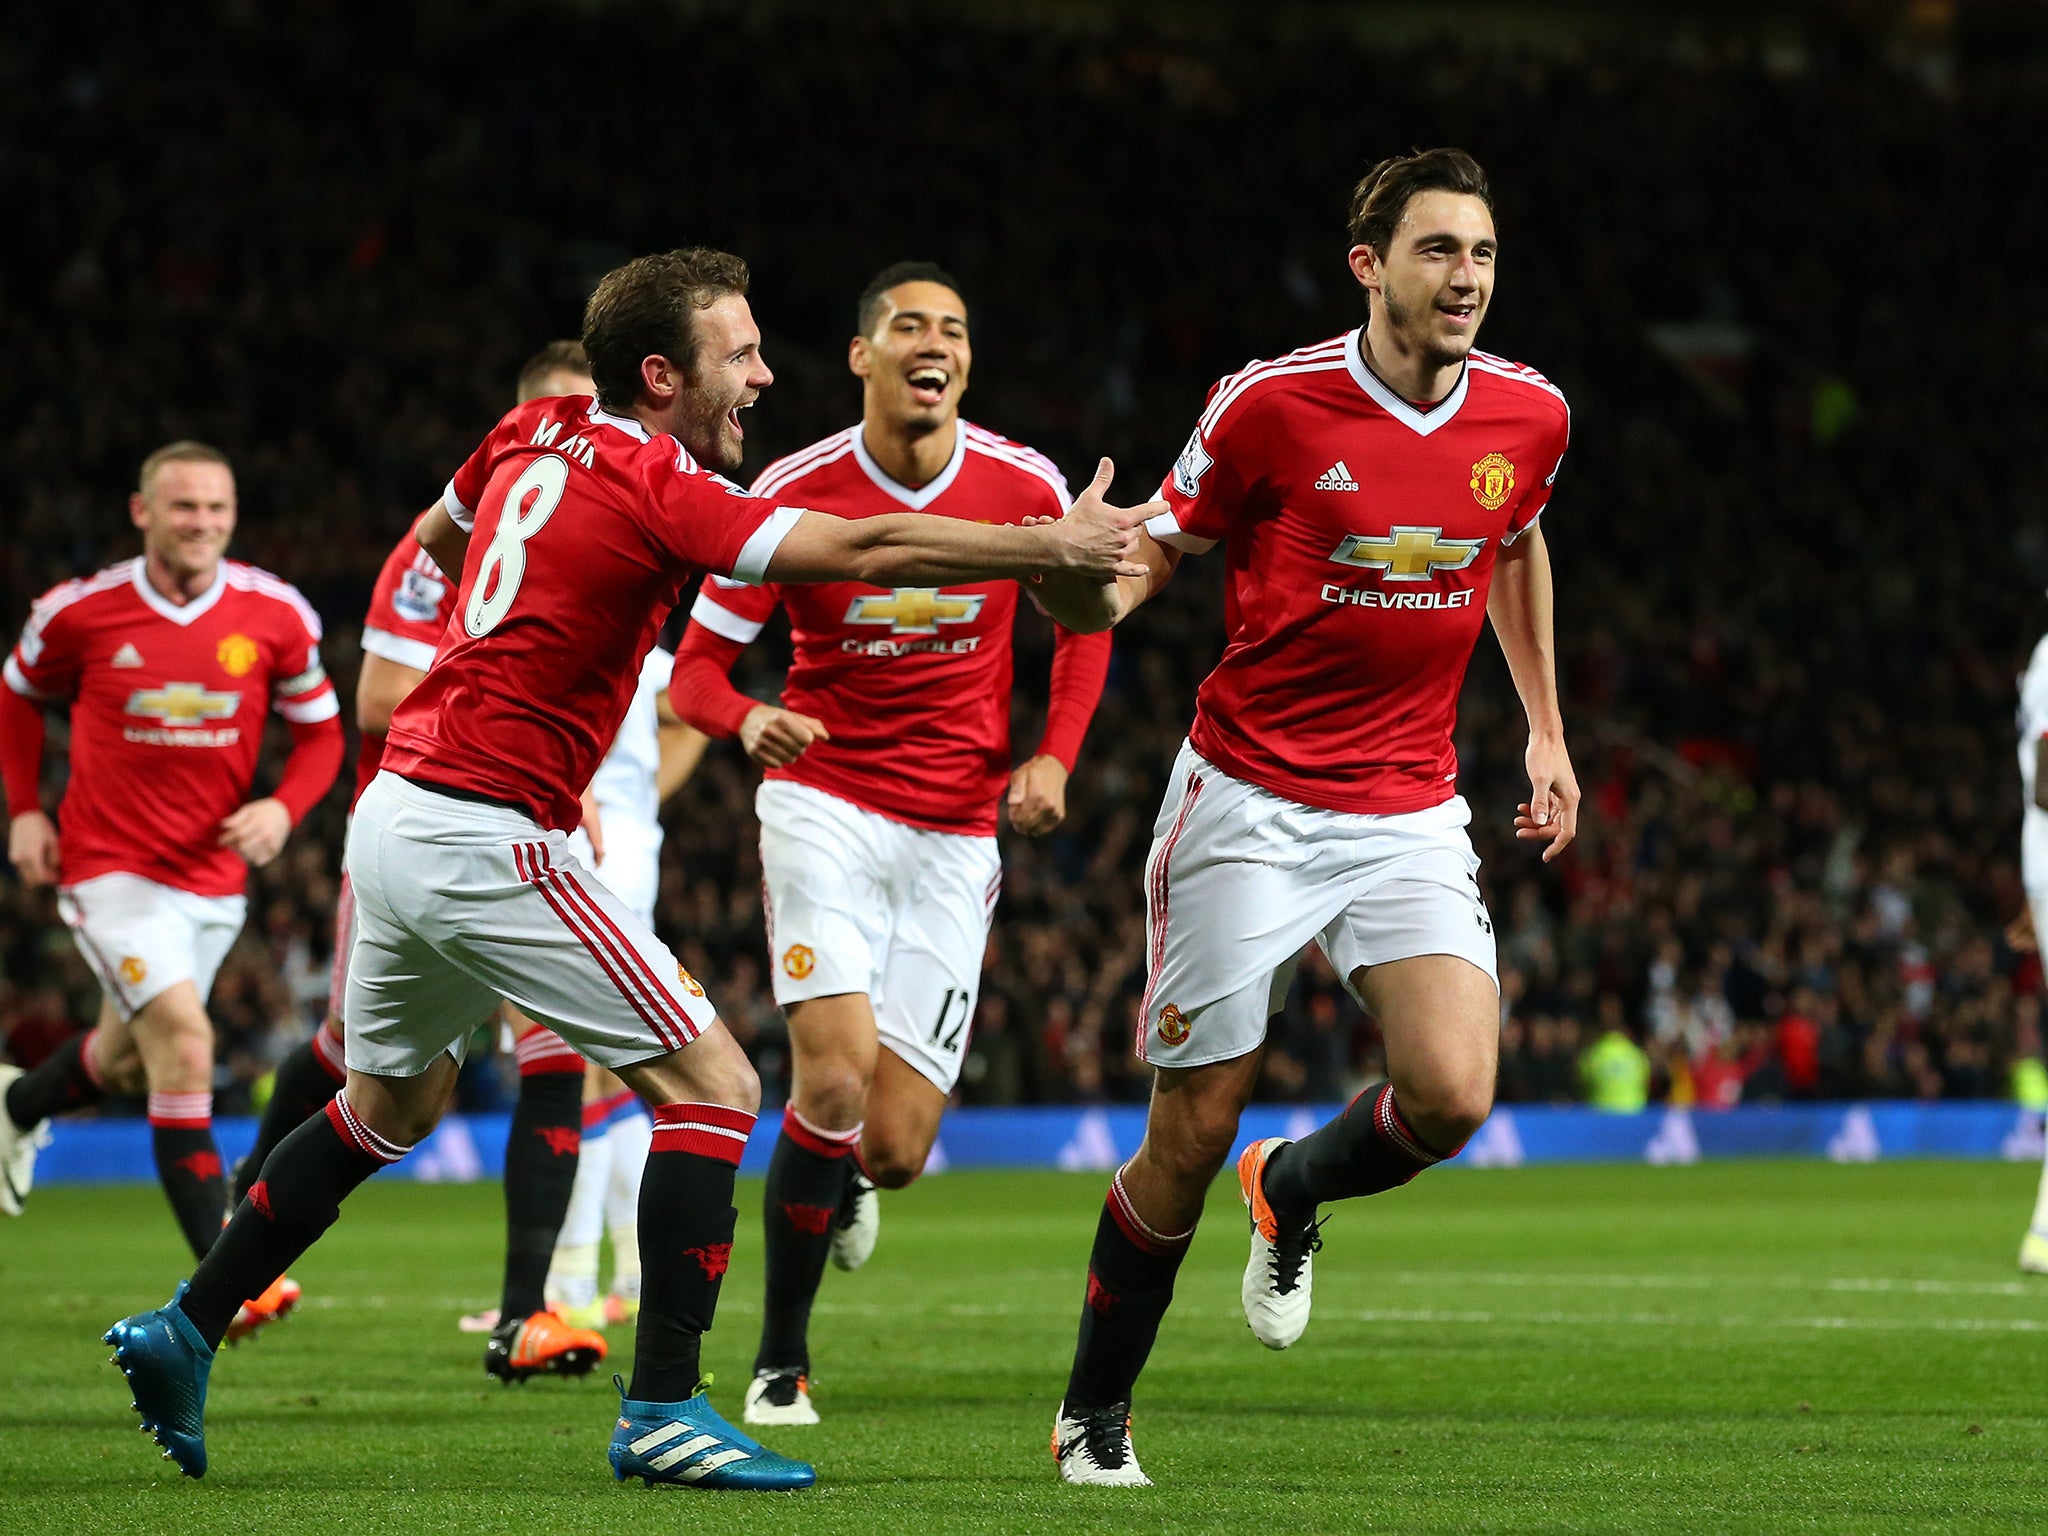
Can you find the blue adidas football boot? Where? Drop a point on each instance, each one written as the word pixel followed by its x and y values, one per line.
pixel 167 1363
pixel 689 1445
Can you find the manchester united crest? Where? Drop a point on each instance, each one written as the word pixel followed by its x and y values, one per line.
pixel 798 961
pixel 690 983
pixel 1173 1025
pixel 1493 481
pixel 237 655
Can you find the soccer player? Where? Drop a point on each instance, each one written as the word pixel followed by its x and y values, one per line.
pixel 170 663
pixel 574 525
pixel 1375 495
pixel 885 761
pixel 409 611
pixel 2033 724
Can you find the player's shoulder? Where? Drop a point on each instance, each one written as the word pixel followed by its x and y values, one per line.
pixel 1269 378
pixel 1006 456
pixel 260 590
pixel 1519 382
pixel 82 595
pixel 820 458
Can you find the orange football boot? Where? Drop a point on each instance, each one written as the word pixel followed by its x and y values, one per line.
pixel 542 1345
pixel 276 1302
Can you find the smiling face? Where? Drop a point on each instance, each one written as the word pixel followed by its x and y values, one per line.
pixel 913 362
pixel 186 513
pixel 1435 278
pixel 726 376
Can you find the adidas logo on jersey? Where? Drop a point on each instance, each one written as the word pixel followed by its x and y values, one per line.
pixel 1337 478
pixel 127 656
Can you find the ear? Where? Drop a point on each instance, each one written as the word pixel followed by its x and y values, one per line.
pixel 660 379
pixel 1365 266
pixel 857 357
pixel 138 509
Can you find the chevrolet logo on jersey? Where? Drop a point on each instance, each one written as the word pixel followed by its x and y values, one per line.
pixel 1408 554
pixel 183 704
pixel 915 610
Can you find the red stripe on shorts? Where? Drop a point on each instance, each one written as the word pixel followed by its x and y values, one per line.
pixel 1157 901
pixel 533 872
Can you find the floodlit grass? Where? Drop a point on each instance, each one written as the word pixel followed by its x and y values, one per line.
pixel 1741 1347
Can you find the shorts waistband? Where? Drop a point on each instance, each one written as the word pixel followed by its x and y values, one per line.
pixel 471 795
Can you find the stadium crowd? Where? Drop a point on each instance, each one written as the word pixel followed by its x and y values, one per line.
pixel 1797 539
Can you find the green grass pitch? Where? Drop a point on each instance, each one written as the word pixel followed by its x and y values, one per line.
pixel 1741 1347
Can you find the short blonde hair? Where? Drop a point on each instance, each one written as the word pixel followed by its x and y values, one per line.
pixel 183 451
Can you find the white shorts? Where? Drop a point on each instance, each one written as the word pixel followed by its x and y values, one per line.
pixel 142 938
pixel 459 904
pixel 858 902
pixel 344 941
pixel 1240 879
pixel 632 861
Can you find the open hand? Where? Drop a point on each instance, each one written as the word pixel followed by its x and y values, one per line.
pixel 1099 542
pixel 1551 813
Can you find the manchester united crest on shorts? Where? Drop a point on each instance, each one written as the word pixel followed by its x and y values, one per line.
pixel 133 971
pixel 690 983
pixel 798 960
pixel 237 655
pixel 1493 480
pixel 1173 1025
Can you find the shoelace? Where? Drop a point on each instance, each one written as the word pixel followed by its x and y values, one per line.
pixel 1105 1433
pixel 1291 1252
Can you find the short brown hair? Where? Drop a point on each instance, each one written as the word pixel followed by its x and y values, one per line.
pixel 647 308
pixel 555 357
pixel 1383 193
pixel 183 451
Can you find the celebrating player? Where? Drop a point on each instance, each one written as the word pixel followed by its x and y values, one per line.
pixel 588 516
pixel 878 812
pixel 2030 925
pixel 170 662
pixel 409 611
pixel 1375 495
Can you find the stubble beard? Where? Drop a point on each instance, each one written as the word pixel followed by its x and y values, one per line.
pixel 1429 346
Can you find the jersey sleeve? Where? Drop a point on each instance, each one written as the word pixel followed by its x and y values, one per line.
pixel 732 609
pixel 1531 506
pixel 300 689
pixel 707 523
pixel 1205 490
pixel 45 662
pixel 466 486
pixel 408 610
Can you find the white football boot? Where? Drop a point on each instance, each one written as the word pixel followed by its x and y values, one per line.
pixel 1280 1276
pixel 857 1224
pixel 18 1150
pixel 1095 1449
pixel 2033 1250
pixel 779 1397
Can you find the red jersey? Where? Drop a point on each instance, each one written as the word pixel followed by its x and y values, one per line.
pixel 912 682
pixel 585 527
pixel 167 712
pixel 409 610
pixel 1359 535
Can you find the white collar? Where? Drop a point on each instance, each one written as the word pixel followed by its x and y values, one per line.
pixel 625 424
pixel 1422 422
pixel 926 494
pixel 188 613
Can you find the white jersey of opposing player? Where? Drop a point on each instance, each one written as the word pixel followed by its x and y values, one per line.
pixel 624 782
pixel 2033 722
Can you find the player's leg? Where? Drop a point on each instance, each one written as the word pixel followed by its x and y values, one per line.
pixel 823 865
pixel 2034 1245
pixel 1416 948
pixel 572 1272
pixel 541 1155
pixel 631 1134
pixel 314 1070
pixel 69 1078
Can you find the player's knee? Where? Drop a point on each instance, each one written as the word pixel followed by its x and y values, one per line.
pixel 831 1094
pixel 730 1080
pixel 1194 1149
pixel 893 1164
pixel 1446 1115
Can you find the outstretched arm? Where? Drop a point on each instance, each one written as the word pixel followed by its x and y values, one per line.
pixel 1090 607
pixel 1520 608
pixel 1093 542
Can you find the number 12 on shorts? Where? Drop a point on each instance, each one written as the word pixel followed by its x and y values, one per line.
pixel 941 1039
